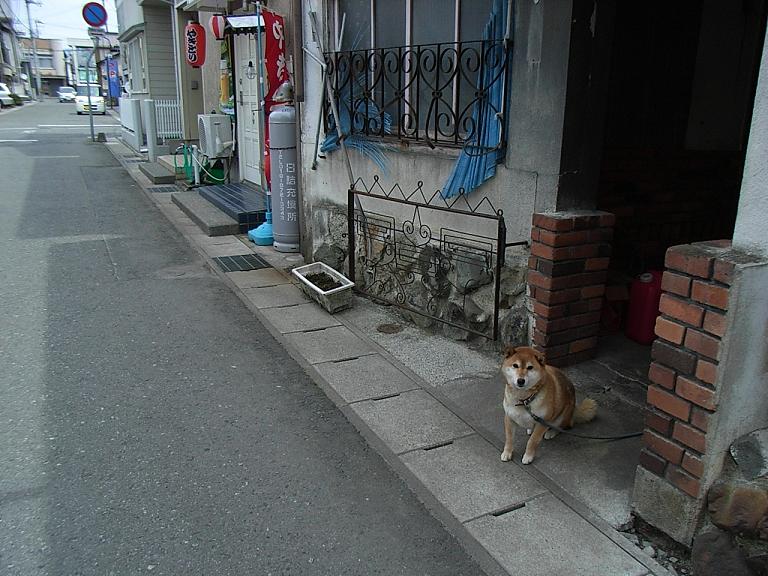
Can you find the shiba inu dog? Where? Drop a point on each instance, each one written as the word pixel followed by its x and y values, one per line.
pixel 546 392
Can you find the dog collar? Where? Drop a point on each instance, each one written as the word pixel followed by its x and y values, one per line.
pixel 526 401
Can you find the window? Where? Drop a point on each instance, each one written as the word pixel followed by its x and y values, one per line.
pixel 418 69
pixel 45 61
pixel 135 69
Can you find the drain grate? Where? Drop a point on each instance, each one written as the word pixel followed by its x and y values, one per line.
pixel 172 188
pixel 241 263
pixel 133 160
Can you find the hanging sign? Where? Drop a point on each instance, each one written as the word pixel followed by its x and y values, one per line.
pixel 217 24
pixel 274 54
pixel 194 36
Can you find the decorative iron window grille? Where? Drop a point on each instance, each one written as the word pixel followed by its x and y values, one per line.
pixel 429 93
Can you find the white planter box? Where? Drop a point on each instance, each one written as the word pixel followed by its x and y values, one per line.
pixel 332 300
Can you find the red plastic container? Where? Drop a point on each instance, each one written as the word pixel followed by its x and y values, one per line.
pixel 644 307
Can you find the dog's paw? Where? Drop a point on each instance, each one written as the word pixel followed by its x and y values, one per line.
pixel 527 458
pixel 506 456
pixel 549 434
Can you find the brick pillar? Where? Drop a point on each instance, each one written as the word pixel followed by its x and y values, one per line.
pixel 693 412
pixel 567 271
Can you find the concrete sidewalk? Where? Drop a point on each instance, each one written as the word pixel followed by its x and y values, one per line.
pixel 408 395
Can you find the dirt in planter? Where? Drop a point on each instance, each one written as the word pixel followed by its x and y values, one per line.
pixel 323 281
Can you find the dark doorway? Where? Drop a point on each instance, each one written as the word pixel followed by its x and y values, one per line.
pixel 680 95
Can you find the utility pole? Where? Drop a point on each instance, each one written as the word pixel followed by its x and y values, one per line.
pixel 34 49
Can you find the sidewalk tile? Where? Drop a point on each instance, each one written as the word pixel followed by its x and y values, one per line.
pixel 258 278
pixel 275 296
pixel 328 344
pixel 470 479
pixel 411 420
pixel 299 318
pixel 546 538
pixel 365 378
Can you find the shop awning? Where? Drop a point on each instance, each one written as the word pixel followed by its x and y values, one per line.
pixel 248 24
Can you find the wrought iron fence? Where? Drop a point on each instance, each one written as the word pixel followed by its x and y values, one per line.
pixel 433 93
pixel 396 256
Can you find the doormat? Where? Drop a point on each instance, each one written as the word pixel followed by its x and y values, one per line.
pixel 241 263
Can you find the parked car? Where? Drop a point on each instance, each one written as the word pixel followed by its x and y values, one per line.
pixel 66 94
pixel 97 100
pixel 5 96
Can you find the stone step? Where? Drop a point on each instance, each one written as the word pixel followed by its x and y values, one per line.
pixel 210 219
pixel 245 203
pixel 167 162
pixel 157 173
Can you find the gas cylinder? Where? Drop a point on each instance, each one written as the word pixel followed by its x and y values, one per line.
pixel 644 297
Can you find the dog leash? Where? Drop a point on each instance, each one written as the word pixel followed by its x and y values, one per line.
pixel 550 425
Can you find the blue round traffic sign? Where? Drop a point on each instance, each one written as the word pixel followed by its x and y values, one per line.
pixel 94 14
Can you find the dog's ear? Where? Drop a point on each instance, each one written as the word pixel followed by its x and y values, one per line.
pixel 540 358
pixel 509 351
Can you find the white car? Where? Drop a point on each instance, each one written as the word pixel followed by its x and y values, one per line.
pixel 5 96
pixel 66 94
pixel 97 105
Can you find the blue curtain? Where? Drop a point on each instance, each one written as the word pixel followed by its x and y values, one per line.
pixel 478 159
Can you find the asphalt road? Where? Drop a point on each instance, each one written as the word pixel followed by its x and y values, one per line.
pixel 148 423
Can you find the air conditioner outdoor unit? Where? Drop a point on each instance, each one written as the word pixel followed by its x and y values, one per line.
pixel 215 135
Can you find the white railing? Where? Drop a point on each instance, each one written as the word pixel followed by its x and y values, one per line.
pixel 168 118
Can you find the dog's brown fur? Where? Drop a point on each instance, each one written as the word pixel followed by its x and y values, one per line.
pixel 552 398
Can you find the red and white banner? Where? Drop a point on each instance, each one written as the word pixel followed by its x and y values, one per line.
pixel 274 54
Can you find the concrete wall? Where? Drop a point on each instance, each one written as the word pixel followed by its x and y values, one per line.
pixel 751 232
pixel 189 80
pixel 529 178
pixel 129 13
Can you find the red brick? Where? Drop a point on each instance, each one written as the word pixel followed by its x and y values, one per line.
pixel 695 392
pixel 710 294
pixel 661 375
pixel 715 323
pixel 585 251
pixel 669 403
pixel 550 297
pixel 553 223
pixel 532 262
pixel 690 260
pixel 568 322
pixel 536 234
pixel 652 462
pixel 724 243
pixel 593 291
pixel 595 304
pixel 581 345
pixel 559 239
pixel 673 356
pixel 676 283
pixel 670 331
pixel 723 271
pixel 706 371
pixel 704 344
pixel 549 311
pixel 681 310
pixel 670 451
pixel 684 481
pixel 700 418
pixel 658 422
pixel 544 251
pixel 690 436
pixel 586 222
pixel 693 464
pixel 538 279
pixel 596 264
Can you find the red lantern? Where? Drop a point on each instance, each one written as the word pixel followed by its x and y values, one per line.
pixel 194 37
pixel 217 24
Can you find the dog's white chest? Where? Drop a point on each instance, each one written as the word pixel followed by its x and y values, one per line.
pixel 519 415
